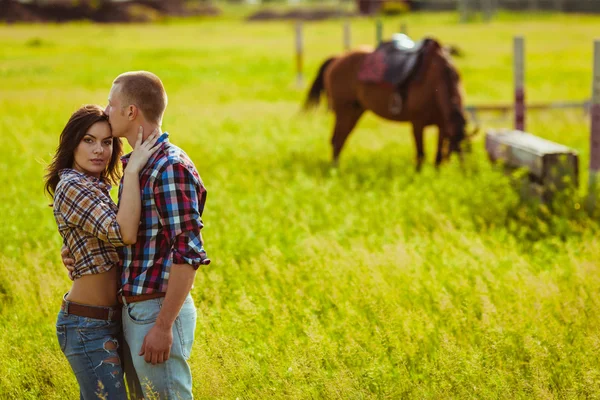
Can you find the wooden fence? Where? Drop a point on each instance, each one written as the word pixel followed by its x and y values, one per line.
pixel 582 6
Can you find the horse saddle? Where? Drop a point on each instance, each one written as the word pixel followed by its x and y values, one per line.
pixel 394 62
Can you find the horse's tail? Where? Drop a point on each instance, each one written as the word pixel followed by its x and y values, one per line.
pixel 314 95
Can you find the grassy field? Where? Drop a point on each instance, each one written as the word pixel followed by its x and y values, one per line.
pixel 367 281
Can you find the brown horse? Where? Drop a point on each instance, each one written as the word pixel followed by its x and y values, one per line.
pixel 434 96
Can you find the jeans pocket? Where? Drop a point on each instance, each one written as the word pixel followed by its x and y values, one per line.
pixel 61 335
pixel 143 313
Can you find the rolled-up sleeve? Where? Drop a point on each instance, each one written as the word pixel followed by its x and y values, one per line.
pixel 179 200
pixel 82 208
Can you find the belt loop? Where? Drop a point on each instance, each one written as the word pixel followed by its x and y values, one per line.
pixel 66 302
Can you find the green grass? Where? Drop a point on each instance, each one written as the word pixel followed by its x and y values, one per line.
pixel 369 281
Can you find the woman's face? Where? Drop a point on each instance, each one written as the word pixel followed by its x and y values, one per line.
pixel 93 153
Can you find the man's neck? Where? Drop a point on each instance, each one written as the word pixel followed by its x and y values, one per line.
pixel 148 129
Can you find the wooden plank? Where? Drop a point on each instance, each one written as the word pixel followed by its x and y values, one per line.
pixel 550 164
pixel 531 106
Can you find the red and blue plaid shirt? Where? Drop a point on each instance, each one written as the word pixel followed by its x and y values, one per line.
pixel 173 197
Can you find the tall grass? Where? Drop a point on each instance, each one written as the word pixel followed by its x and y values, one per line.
pixel 367 281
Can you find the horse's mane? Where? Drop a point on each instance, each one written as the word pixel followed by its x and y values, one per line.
pixel 450 73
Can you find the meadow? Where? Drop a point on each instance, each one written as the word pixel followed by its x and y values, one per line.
pixel 365 281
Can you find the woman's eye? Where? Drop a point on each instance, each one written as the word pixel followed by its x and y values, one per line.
pixel 87 140
pixel 108 143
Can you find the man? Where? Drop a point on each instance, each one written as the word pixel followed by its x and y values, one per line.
pixel 159 316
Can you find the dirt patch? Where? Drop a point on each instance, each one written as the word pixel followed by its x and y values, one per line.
pixel 313 14
pixel 128 11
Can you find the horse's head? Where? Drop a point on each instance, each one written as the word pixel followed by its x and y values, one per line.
pixel 459 138
pixel 459 124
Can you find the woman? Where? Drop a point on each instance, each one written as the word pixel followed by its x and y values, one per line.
pixel 86 163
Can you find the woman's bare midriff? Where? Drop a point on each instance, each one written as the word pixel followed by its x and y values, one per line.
pixel 96 289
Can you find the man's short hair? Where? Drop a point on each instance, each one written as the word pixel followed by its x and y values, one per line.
pixel 144 90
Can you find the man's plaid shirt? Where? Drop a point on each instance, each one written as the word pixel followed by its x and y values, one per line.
pixel 87 220
pixel 173 197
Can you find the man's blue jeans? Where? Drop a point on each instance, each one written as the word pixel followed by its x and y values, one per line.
pixel 91 346
pixel 173 378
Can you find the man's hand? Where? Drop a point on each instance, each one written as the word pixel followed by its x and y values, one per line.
pixel 68 260
pixel 156 347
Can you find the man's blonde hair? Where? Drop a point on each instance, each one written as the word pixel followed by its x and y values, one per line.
pixel 144 90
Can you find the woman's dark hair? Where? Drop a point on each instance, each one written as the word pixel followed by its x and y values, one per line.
pixel 78 125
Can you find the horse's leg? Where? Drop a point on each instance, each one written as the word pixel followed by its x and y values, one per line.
pixel 441 146
pixel 345 120
pixel 418 135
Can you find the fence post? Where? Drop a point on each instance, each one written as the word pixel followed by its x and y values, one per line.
pixel 533 5
pixel 463 10
pixel 299 54
pixel 594 179
pixel 347 35
pixel 487 9
pixel 558 5
pixel 519 73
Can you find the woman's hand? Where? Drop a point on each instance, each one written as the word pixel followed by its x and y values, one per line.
pixel 68 260
pixel 142 151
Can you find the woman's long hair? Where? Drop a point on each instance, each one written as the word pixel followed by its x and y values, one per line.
pixel 78 125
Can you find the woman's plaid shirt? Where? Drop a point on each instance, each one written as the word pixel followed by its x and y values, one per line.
pixel 87 221
pixel 173 197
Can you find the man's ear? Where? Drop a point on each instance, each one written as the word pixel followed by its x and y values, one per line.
pixel 132 112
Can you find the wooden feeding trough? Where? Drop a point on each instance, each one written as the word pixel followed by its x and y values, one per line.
pixel 551 166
